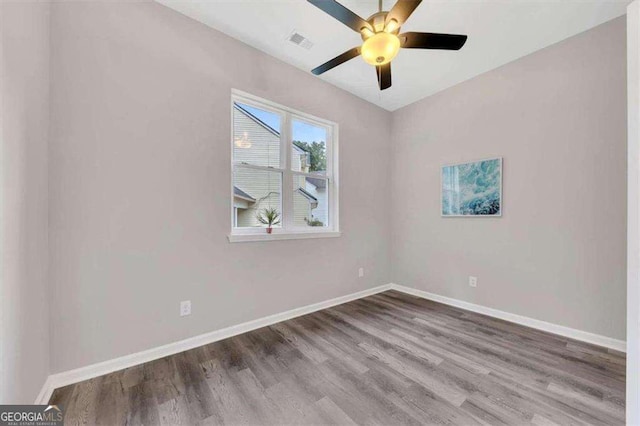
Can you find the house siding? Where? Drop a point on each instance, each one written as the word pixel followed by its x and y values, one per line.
pixel 262 185
pixel 264 149
pixel 300 209
pixel 321 211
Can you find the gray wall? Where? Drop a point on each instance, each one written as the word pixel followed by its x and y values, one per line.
pixel 140 179
pixel 24 126
pixel 558 117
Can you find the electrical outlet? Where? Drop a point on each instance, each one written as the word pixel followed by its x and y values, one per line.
pixel 473 281
pixel 185 308
pixel 360 272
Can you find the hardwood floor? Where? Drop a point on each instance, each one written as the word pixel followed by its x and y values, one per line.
pixel 386 359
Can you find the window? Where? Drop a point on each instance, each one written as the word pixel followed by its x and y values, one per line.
pixel 286 161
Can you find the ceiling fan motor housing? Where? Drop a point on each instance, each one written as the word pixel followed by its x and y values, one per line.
pixel 378 22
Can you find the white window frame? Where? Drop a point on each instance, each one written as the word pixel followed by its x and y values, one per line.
pixel 288 231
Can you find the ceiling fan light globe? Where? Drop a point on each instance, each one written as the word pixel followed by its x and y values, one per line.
pixel 380 49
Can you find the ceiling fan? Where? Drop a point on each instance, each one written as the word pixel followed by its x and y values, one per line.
pixel 381 37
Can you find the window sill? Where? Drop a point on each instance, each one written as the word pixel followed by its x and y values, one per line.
pixel 248 238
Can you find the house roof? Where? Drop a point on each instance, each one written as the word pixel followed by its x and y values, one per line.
pixel 256 119
pixel 317 182
pixel 266 126
pixel 237 192
pixel 308 194
pixel 300 150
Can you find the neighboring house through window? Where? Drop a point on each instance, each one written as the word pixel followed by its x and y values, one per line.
pixel 274 148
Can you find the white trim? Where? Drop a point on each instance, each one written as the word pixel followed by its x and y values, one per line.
pixel 311 175
pixel 584 336
pixel 247 238
pixel 256 167
pixel 286 198
pixel 232 147
pixel 259 102
pixel 633 214
pixel 333 181
pixel 442 215
pixel 45 393
pixel 95 370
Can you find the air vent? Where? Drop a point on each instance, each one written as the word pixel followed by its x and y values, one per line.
pixel 297 38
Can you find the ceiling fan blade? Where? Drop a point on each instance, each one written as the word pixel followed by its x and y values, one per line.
pixel 342 14
pixel 432 41
pixel 402 10
pixel 384 76
pixel 341 59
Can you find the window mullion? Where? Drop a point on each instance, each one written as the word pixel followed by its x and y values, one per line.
pixel 287 178
pixel 254 167
pixel 311 175
pixel 329 152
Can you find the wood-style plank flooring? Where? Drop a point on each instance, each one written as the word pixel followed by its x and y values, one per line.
pixel 386 359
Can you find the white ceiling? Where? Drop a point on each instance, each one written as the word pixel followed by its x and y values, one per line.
pixel 499 32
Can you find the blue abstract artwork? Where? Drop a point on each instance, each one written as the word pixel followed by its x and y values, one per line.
pixel 472 189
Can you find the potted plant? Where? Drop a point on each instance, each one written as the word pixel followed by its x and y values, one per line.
pixel 269 217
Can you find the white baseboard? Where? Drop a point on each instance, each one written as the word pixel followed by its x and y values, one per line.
pixel 95 370
pixel 45 393
pixel 596 339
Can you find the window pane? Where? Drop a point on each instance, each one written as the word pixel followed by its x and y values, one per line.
pixel 253 192
pixel 310 201
pixel 309 148
pixel 256 136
